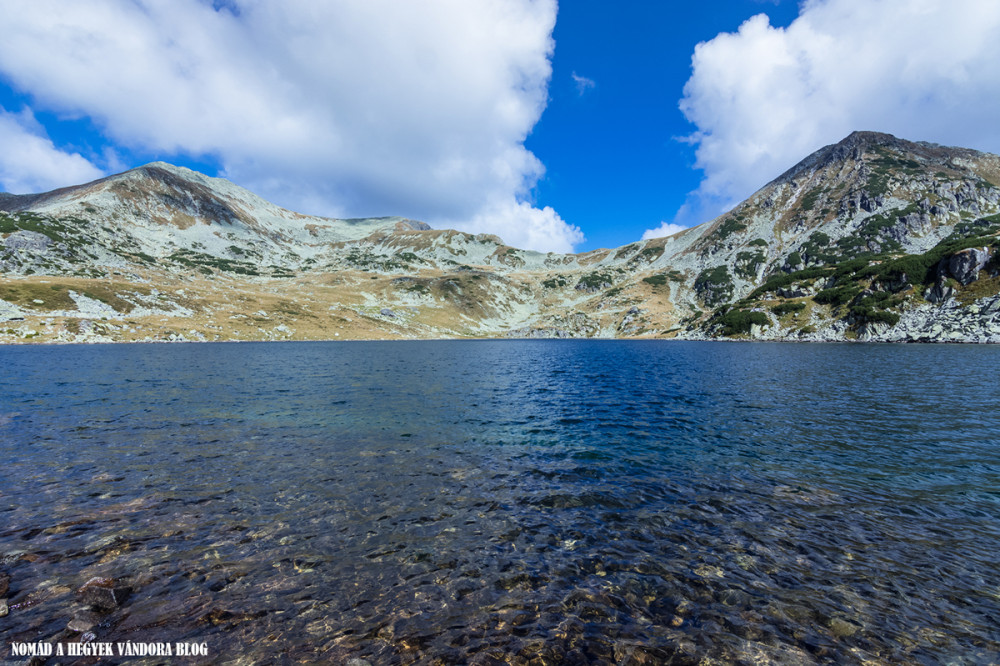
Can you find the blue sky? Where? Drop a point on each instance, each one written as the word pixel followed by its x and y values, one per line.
pixel 615 162
pixel 559 127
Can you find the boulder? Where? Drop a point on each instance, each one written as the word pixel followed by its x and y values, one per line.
pixel 790 292
pixel 105 594
pixel 872 330
pixel 965 265
pixel 940 292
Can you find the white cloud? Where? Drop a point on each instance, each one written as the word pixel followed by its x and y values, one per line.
pixel 763 98
pixel 521 225
pixel 665 229
pixel 354 107
pixel 29 162
pixel 583 84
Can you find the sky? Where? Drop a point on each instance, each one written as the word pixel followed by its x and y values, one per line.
pixel 558 126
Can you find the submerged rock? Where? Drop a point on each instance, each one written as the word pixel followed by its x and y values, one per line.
pixel 842 628
pixel 104 593
pixel 83 622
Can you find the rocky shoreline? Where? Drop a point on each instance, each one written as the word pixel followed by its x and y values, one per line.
pixel 948 323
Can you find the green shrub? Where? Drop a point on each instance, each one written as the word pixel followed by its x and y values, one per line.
pixel 555 282
pixel 837 295
pixel 730 227
pixel 787 308
pixel 819 238
pixel 714 285
pixel 779 280
pixel 850 267
pixel 594 281
pixel 747 263
pixel 810 197
pixel 863 314
pixel 738 322
pixel 660 279
pixel 921 268
pixel 202 262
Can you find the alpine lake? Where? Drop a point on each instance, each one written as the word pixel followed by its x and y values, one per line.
pixel 493 502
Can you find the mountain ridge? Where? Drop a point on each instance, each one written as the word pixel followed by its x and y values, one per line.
pixel 870 199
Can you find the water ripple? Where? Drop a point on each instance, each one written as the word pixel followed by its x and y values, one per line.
pixel 515 502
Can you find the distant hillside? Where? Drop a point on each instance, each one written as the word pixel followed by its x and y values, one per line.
pixel 870 238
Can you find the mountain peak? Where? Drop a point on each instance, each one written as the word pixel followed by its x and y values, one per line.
pixel 160 167
pixel 853 146
pixel 177 176
pixel 856 145
pixel 868 139
pixel 158 164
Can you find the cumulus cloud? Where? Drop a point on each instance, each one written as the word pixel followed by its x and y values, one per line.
pixel 583 84
pixel 520 224
pixel 763 98
pixel 354 107
pixel 30 162
pixel 665 229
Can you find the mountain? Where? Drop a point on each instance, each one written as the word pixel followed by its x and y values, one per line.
pixel 159 209
pixel 872 238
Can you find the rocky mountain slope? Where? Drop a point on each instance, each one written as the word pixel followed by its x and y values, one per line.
pixel 873 238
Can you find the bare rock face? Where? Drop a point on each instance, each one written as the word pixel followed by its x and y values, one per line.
pixel 964 266
pixel 940 292
pixel 27 240
pixel 412 225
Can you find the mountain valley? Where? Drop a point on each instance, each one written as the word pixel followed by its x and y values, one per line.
pixel 872 238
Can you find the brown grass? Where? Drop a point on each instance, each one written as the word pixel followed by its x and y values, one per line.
pixel 978 289
pixel 316 306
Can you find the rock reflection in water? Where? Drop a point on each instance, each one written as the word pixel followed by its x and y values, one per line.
pixel 616 503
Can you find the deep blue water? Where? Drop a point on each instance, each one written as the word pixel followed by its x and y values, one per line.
pixel 509 501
